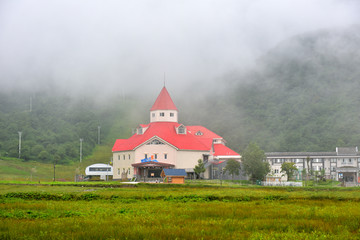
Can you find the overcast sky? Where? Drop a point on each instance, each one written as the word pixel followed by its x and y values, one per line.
pixel 107 46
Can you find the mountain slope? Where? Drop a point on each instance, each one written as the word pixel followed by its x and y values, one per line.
pixel 302 96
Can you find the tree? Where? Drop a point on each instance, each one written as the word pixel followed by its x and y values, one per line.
pixel 309 170
pixel 289 169
pixel 233 168
pixel 254 163
pixel 200 168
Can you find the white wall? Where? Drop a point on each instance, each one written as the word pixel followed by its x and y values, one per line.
pixel 155 116
pixel 122 163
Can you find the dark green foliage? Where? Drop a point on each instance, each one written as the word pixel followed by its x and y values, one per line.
pixel 289 169
pixel 232 167
pixel 51 131
pixel 253 161
pixel 199 168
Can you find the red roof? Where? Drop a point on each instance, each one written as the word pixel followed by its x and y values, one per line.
pixel 203 134
pixel 222 150
pixel 167 132
pixel 163 101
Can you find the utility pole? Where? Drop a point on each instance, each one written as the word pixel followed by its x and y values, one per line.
pixel 81 140
pixel 20 144
pixel 99 127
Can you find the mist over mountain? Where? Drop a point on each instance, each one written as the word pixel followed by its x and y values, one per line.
pixel 102 48
pixel 301 96
pixel 91 62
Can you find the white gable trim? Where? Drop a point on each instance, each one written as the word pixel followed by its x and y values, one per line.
pixel 153 138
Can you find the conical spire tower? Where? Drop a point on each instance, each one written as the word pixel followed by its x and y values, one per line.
pixel 164 109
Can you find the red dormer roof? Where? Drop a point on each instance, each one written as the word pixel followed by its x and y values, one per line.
pixel 163 101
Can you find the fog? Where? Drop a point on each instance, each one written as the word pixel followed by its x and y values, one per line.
pixel 111 47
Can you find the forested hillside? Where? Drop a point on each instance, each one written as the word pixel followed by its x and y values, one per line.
pixel 302 96
pixel 53 125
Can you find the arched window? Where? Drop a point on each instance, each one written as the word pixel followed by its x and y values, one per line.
pixel 155 142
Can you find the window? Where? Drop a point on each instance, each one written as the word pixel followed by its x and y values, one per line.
pixel 171 114
pixel 155 155
pixel 276 171
pixel 118 157
pixel 140 131
pixel 100 169
pixel 145 155
pixel 155 142
pixel 199 133
pixel 128 170
pixel 333 160
pixel 162 114
pixel 118 171
pixel 153 115
pixel 316 168
pixel 181 130
pixel 165 155
pixel 129 156
pixel 124 156
pixel 317 160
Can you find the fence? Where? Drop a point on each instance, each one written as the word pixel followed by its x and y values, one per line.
pixel 283 184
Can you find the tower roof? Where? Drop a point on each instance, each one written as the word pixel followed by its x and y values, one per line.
pixel 163 101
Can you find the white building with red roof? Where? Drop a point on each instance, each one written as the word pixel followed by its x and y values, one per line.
pixel 165 143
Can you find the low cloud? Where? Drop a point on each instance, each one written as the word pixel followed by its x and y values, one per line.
pixel 111 47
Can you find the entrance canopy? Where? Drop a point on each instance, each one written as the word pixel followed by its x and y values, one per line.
pixel 150 169
pixel 152 164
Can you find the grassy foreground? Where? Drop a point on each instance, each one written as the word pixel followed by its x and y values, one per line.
pixel 177 212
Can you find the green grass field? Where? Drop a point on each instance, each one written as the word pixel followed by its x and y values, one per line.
pixel 159 211
pixel 18 169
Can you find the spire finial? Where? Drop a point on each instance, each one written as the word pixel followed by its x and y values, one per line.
pixel 164 79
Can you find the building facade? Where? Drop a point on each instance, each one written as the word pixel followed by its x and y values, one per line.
pixel 165 143
pixel 342 165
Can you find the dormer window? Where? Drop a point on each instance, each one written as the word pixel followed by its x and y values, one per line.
pixel 140 131
pixel 199 133
pixel 181 129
